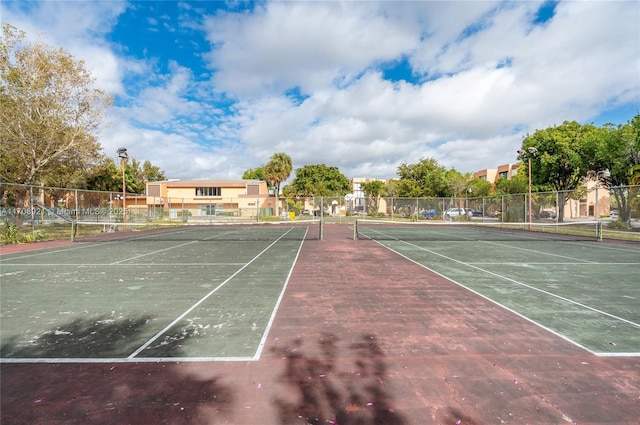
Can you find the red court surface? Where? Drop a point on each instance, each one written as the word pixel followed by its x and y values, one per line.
pixel 362 337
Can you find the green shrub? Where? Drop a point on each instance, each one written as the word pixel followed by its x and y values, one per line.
pixel 11 234
pixel 618 225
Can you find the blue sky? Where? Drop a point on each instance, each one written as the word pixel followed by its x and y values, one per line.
pixel 208 89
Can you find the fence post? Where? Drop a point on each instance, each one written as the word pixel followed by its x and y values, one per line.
pixel 483 210
pixel 32 209
pixel 393 208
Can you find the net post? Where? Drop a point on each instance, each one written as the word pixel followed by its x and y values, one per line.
pixel 322 218
pixel 355 229
pixel 598 230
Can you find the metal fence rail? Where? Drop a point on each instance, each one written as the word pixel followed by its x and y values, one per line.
pixel 49 210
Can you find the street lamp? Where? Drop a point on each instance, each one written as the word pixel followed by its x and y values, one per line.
pixel 122 154
pixel 528 154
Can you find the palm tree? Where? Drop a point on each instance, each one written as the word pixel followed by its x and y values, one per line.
pixel 276 171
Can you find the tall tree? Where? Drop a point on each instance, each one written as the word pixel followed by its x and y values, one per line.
pixel 373 190
pixel 318 180
pixel 50 111
pixel 479 187
pixel 254 174
pixel 150 172
pixel 617 150
pixel 107 175
pixel 561 159
pixel 456 183
pixel 276 171
pixel 424 178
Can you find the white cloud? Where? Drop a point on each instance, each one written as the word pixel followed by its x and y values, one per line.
pixel 508 78
pixel 487 77
pixel 301 44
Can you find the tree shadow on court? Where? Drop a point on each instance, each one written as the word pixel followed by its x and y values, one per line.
pixel 104 393
pixel 336 383
pixel 98 337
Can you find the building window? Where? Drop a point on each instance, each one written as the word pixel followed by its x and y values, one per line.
pixel 208 191
pixel 253 189
pixel 153 190
pixel 504 174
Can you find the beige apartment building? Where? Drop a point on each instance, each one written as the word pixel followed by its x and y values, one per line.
pixel 206 199
pixel 359 203
pixel 595 203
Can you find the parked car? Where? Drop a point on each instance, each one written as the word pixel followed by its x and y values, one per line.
pixel 453 213
pixel 547 214
pixel 306 212
pixel 427 214
pixel 613 214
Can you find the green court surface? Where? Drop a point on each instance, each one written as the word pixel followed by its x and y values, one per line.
pixel 203 293
pixel 585 291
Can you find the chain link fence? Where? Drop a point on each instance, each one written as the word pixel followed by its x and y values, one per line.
pixel 47 212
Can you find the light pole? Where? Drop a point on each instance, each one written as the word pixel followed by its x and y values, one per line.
pixel 528 154
pixel 122 154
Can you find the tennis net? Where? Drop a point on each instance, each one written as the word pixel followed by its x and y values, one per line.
pixel 151 232
pixel 475 231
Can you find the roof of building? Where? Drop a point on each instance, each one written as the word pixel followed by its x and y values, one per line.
pixel 209 182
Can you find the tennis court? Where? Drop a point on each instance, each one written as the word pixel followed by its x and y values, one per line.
pixel 559 277
pixel 188 292
pixel 271 325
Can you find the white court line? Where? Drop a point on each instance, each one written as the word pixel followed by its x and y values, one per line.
pixel 43 251
pixel 605 245
pixel 85 245
pixel 277 306
pixel 135 257
pixel 99 360
pixel 189 310
pixel 239 264
pixel 539 252
pixel 121 265
pixel 536 263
